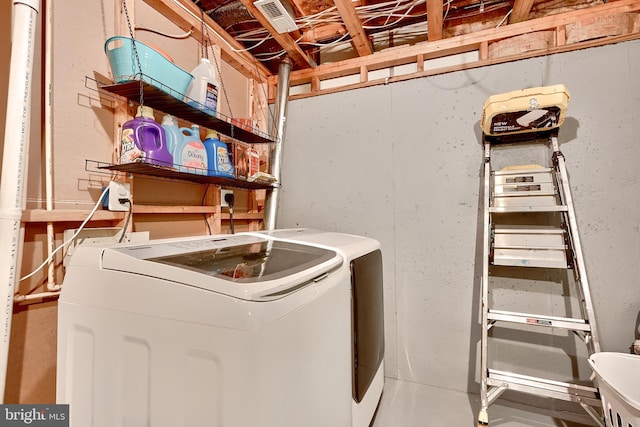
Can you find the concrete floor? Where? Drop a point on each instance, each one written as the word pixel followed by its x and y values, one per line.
pixel 406 404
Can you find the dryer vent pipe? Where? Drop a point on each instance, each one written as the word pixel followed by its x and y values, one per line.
pixel 282 101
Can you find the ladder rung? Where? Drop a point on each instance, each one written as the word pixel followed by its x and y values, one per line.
pixel 525 191
pixel 533 208
pixel 529 246
pixel 544 387
pixel 525 200
pixel 551 260
pixel 545 234
pixel 536 171
pixel 568 323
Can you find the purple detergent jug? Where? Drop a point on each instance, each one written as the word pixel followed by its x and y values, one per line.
pixel 144 140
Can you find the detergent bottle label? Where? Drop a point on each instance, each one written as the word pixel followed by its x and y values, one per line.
pixel 211 96
pixel 223 160
pixel 193 158
pixel 129 152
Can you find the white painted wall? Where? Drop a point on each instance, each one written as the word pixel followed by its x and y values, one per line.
pixel 402 163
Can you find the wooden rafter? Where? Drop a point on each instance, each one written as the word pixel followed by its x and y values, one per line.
pixel 520 11
pixel 434 20
pixel 465 43
pixel 186 15
pixel 354 26
pixel 297 55
pixel 323 32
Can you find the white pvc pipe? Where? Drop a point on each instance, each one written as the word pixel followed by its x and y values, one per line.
pixel 35 297
pixel 48 138
pixel 14 164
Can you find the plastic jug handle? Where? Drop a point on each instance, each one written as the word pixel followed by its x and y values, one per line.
pixel 186 131
pixel 156 139
pixel 110 41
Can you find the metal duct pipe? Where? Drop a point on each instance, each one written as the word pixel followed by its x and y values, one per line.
pixel 14 164
pixel 282 101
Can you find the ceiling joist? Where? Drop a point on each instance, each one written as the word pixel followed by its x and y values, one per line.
pixel 434 19
pixel 351 20
pixel 520 11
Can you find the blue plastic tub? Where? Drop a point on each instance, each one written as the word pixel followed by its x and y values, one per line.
pixel 154 68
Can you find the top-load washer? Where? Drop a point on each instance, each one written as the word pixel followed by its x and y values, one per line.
pixel 251 329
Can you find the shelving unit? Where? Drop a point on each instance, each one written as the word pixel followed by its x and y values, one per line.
pixel 164 172
pixel 161 100
pixel 166 100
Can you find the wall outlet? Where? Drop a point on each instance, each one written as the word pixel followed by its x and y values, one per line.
pixel 118 192
pixel 223 202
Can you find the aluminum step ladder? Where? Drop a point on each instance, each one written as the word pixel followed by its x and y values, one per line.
pixel 524 191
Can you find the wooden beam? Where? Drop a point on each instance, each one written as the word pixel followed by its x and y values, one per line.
pixel 186 15
pixel 520 11
pixel 297 55
pixel 455 45
pixel 434 20
pixel 473 64
pixel 323 32
pixel 359 37
pixel 69 215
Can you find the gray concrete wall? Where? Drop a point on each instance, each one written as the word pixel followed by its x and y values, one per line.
pixel 402 163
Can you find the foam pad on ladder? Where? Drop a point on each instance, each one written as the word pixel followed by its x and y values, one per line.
pixel 528 110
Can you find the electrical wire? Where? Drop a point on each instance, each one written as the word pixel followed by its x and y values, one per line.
pixel 171 36
pixel 126 222
pixel 262 56
pixel 505 18
pixel 50 257
pixel 204 216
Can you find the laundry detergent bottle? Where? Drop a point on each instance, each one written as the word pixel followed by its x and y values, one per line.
pixel 171 131
pixel 144 140
pixel 189 154
pixel 203 90
pixel 219 162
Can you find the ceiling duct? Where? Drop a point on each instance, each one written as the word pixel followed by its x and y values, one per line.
pixel 279 14
pixel 230 14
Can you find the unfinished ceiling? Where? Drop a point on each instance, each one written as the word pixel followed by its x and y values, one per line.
pixel 361 27
pixel 343 44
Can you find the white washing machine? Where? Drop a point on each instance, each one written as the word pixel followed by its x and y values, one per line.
pixel 252 329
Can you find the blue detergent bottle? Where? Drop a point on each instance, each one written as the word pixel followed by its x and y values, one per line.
pixel 189 154
pixel 218 155
pixel 172 132
pixel 144 140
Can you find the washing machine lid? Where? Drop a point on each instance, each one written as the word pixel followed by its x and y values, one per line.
pixel 243 266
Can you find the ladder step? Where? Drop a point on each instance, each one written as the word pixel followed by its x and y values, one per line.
pixel 529 208
pixel 525 174
pixel 568 323
pixel 524 188
pixel 544 387
pixel 518 200
pixel 529 246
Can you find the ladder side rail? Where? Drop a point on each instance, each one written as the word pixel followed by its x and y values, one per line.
pixel 483 417
pixel 574 238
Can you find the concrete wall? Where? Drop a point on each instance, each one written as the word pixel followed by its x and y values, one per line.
pixel 402 163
